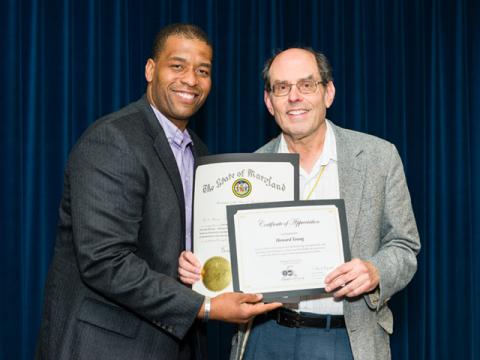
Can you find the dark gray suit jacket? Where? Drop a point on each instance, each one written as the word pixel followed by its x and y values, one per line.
pixel 111 291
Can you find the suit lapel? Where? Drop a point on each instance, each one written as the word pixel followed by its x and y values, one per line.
pixel 164 152
pixel 351 176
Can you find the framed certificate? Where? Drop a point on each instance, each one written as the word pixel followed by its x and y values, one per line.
pixel 286 249
pixel 227 179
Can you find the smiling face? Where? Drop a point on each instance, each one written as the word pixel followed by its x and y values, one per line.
pixel 300 116
pixel 179 78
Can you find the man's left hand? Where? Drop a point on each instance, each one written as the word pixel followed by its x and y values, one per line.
pixel 353 278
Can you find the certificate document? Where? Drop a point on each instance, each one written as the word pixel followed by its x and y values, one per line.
pixel 286 249
pixel 230 179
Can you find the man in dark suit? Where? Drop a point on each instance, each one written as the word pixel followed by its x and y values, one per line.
pixel 112 290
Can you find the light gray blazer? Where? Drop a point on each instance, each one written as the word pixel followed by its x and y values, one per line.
pixel 382 230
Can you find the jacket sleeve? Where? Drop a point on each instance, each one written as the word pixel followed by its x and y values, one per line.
pixel 108 186
pixel 400 243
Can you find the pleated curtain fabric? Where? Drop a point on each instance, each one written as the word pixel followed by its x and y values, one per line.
pixel 407 71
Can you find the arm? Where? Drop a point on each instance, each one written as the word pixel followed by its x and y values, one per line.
pixel 237 308
pixel 393 265
pixel 108 187
pixel 396 259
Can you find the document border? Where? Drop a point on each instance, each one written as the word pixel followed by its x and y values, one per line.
pixel 279 166
pixel 284 295
pixel 293 159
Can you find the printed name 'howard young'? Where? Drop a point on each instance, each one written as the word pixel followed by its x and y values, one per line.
pixel 289 239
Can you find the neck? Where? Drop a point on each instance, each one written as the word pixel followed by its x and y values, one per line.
pixel 180 124
pixel 309 148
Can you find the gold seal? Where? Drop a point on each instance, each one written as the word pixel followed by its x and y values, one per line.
pixel 216 273
pixel 241 188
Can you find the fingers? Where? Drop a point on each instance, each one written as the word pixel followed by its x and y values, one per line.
pixel 189 262
pixel 341 280
pixel 353 278
pixel 190 257
pixel 338 271
pixel 239 308
pixel 353 288
pixel 253 307
pixel 339 276
pixel 188 268
pixel 187 278
pixel 269 307
pixel 250 298
pixel 252 310
pixel 249 310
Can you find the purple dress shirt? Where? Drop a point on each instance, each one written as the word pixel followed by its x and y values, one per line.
pixel 180 144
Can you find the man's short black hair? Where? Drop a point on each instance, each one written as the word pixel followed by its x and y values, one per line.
pixel 188 31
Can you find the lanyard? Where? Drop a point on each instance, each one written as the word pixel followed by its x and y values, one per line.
pixel 316 182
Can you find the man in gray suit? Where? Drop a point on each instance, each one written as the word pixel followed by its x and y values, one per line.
pixel 112 290
pixel 353 320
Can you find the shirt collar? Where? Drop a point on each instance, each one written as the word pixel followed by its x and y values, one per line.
pixel 329 151
pixel 174 135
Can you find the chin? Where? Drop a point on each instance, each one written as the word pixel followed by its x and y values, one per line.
pixel 298 132
pixel 186 113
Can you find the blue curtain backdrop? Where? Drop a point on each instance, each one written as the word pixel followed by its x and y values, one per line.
pixel 407 71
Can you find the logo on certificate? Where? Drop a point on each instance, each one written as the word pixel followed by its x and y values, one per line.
pixel 289 273
pixel 242 188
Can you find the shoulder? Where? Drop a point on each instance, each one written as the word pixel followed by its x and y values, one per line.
pixel 355 148
pixel 356 138
pixel 124 120
pixel 118 133
pixel 354 142
pixel 270 147
pixel 130 121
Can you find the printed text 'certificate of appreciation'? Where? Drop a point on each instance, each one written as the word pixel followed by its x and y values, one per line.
pixel 286 249
pixel 230 179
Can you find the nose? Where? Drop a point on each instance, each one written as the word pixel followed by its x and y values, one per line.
pixel 190 77
pixel 294 95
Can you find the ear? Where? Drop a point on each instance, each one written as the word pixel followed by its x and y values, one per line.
pixel 329 94
pixel 149 70
pixel 268 102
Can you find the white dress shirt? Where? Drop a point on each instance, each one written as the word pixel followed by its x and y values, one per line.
pixel 326 188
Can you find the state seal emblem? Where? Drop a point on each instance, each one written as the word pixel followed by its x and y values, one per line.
pixel 241 188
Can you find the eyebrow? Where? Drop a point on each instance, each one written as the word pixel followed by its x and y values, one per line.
pixel 310 77
pixel 178 58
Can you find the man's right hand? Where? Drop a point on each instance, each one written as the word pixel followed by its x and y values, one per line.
pixel 237 308
pixel 189 268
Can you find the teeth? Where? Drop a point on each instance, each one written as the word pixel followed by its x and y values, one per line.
pixel 296 112
pixel 186 96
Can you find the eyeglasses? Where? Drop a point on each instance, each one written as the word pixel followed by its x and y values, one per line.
pixel 305 86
